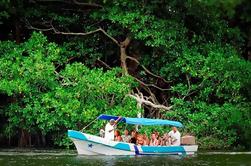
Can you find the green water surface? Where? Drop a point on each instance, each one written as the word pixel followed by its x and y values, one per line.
pixel 61 159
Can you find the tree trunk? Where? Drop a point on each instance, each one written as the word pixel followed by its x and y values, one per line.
pixel 123 55
pixel 43 140
pixel 29 140
pixel 9 140
pixel 249 45
pixel 38 139
pixel 17 31
pixel 23 141
pixel 139 114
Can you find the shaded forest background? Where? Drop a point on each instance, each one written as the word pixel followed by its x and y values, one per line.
pixel 64 62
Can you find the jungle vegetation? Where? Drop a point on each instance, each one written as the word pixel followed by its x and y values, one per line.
pixel 64 62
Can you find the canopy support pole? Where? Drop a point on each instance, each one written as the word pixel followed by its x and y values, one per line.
pixel 139 114
pixel 89 124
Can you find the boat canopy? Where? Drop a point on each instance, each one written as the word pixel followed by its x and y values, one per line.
pixel 141 121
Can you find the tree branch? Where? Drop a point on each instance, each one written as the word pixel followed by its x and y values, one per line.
pixel 141 100
pixel 148 71
pixel 86 33
pixel 152 85
pixel 72 2
pixel 189 88
pixel 87 4
pixel 126 42
pixel 105 64
pixel 52 28
pixel 74 33
pixel 109 36
pixel 152 96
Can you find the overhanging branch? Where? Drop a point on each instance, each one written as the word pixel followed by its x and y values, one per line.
pixel 52 28
pixel 105 64
pixel 189 91
pixel 87 4
pixel 147 71
pixel 152 85
pixel 73 2
pixel 141 100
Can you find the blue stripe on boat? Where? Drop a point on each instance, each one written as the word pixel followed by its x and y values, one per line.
pixel 164 149
pixel 136 150
pixel 122 146
pixel 76 135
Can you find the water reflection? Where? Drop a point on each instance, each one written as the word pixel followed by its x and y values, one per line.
pixel 54 159
pixel 128 160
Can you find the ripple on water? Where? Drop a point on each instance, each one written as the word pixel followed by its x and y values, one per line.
pixel 68 159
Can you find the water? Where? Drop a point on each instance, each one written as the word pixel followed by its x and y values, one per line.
pixel 68 159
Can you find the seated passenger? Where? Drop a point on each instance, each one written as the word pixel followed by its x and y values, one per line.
pixel 133 137
pixel 146 140
pixel 140 139
pixel 154 141
pixel 174 135
pixel 126 137
pixel 156 134
pixel 161 141
pixel 102 133
pixel 117 136
pixel 158 137
pixel 164 141
pixel 167 139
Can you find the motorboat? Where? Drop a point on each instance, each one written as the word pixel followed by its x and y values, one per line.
pixel 88 144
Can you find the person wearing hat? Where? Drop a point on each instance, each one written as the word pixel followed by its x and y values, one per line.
pixel 109 129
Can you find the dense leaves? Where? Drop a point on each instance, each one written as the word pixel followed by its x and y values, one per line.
pixel 48 100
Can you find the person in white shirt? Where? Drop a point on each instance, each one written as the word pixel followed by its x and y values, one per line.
pixel 174 136
pixel 109 129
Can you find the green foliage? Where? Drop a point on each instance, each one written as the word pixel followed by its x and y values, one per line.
pixel 142 25
pixel 225 122
pixel 52 101
pixel 212 143
pixel 219 72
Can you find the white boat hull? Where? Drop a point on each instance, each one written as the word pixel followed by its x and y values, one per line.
pixel 87 144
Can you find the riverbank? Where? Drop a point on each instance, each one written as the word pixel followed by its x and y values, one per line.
pixel 36 151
